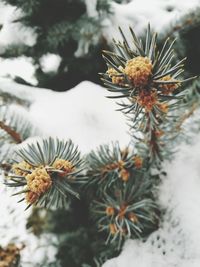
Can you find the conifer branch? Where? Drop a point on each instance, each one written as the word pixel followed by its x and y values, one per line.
pixel 47 171
pixel 15 136
pixel 14 126
pixel 149 83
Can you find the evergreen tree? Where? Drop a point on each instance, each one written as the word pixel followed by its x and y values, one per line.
pixel 117 186
pixel 66 29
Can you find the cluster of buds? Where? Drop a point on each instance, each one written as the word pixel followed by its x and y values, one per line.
pixel 39 179
pixel 116 228
pixel 115 76
pixel 119 167
pixel 64 165
pixel 138 162
pixel 38 182
pixel 111 164
pixel 125 214
pixel 9 256
pixel 139 70
pixel 147 99
pixel 118 214
pixel 168 89
pixel 163 107
pixel 22 168
pixel 143 75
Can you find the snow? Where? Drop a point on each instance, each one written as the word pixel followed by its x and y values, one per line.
pixel 50 62
pixel 21 67
pixel 138 13
pixel 82 113
pixel 15 33
pixel 12 32
pixel 176 243
pixel 91 8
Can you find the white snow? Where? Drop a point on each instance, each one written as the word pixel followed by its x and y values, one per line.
pixel 21 67
pixel 50 62
pixel 83 114
pixel 12 32
pixel 15 33
pixel 91 8
pixel 138 13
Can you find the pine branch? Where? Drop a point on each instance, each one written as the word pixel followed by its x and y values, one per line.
pixel 8 98
pixel 149 83
pixel 129 212
pixel 124 205
pixel 48 171
pixel 17 50
pixel 14 127
pixel 123 188
pixel 110 164
pixel 185 23
pixel 15 136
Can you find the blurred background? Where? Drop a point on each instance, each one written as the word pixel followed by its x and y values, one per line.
pixel 57 44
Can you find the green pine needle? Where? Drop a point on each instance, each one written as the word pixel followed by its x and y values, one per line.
pixel 49 171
